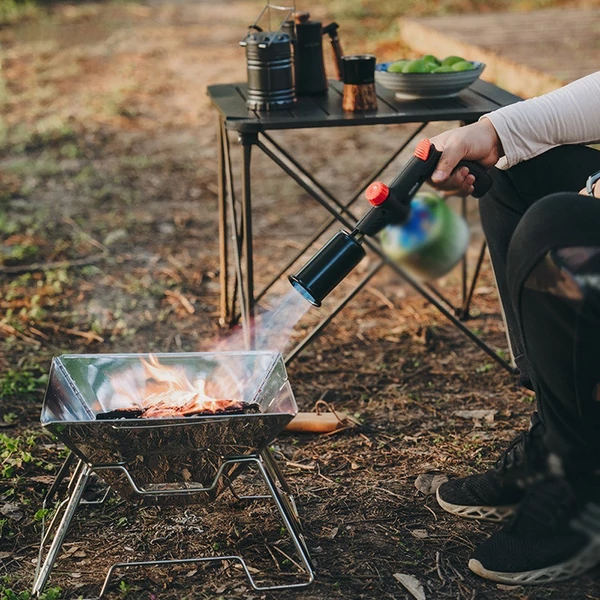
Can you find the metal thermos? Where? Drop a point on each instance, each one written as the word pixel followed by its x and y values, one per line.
pixel 309 66
pixel 270 70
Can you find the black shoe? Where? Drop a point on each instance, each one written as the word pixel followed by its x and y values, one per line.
pixel 554 535
pixel 495 494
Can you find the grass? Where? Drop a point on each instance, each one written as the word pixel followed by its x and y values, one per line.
pixel 22 381
pixel 12 11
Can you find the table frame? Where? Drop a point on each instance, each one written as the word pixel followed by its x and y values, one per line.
pixel 253 129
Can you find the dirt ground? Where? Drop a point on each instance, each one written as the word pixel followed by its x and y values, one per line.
pixel 108 243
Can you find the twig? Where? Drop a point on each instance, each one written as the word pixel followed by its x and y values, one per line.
pixel 39 333
pixel 289 558
pixel 415 373
pixel 12 331
pixel 187 305
pixel 52 266
pixel 390 493
pixel 86 235
pixel 87 335
pixel 274 559
pixel 438 567
pixel 379 295
pixel 289 463
pixel 431 511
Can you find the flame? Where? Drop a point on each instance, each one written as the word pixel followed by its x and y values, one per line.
pixel 167 391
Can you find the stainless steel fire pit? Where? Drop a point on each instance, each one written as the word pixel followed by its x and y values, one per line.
pixel 96 404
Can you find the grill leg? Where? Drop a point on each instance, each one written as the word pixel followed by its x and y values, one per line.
pixel 68 507
pixel 273 478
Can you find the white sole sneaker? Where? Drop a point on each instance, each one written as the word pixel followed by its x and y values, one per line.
pixel 582 562
pixel 496 514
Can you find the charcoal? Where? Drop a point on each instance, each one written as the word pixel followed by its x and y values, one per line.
pixel 138 413
pixel 245 409
pixel 120 413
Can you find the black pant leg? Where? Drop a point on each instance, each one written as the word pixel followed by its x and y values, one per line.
pixel 554 282
pixel 514 191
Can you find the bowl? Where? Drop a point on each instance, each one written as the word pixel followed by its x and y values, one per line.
pixel 427 85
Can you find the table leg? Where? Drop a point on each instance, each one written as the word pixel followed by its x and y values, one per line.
pixel 247 141
pixel 223 245
pixel 236 237
pixel 464 310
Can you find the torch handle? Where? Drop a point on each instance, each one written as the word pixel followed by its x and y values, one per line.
pixel 391 205
pixel 483 181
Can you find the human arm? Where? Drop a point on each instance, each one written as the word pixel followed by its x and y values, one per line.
pixel 569 115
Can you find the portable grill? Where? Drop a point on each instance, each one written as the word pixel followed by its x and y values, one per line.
pixel 171 459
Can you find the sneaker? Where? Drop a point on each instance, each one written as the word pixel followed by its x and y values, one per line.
pixel 554 535
pixel 495 494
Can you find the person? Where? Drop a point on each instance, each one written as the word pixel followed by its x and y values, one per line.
pixel 541 220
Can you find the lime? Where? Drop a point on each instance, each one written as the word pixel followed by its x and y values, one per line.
pixel 450 60
pixel 396 67
pixel 443 69
pixel 432 60
pixel 463 65
pixel 416 66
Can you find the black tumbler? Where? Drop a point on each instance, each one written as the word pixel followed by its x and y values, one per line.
pixel 328 267
pixel 309 66
pixel 270 70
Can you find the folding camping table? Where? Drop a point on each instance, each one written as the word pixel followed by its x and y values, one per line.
pixel 320 112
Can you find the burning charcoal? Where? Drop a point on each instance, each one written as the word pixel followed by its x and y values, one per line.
pixel 120 413
pixel 238 408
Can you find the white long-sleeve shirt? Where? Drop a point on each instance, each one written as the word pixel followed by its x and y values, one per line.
pixel 568 115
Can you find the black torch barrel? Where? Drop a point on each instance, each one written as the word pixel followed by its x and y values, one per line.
pixel 328 267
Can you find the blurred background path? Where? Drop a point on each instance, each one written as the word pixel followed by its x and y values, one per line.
pixel 528 53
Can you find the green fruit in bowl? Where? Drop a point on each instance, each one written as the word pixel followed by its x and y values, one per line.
pixel 443 69
pixel 416 66
pixel 450 60
pixel 432 60
pixel 397 67
pixel 464 65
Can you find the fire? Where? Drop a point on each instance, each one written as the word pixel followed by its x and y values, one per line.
pixel 167 391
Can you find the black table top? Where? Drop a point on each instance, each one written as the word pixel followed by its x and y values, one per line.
pixel 326 110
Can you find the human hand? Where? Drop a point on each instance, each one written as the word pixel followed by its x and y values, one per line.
pixel 595 187
pixel 478 142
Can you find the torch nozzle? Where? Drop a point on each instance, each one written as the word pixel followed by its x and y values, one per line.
pixel 328 267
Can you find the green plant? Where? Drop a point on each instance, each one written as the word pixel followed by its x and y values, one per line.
pixel 16 453
pixel 9 418
pixel 6 593
pixel 12 11
pixel 24 381
pixel 41 514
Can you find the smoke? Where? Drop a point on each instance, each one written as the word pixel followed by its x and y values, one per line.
pixel 270 330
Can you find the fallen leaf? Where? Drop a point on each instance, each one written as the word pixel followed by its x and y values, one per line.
pixel 45 479
pixel 420 534
pixel 411 584
pixel 12 511
pixel 487 414
pixel 428 483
